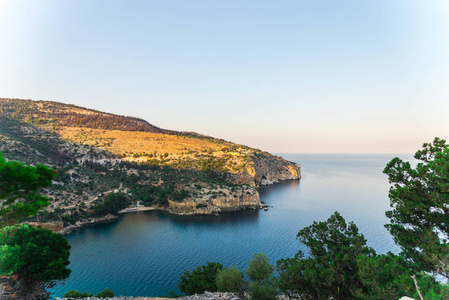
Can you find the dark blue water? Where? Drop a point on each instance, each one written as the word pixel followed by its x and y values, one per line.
pixel 145 253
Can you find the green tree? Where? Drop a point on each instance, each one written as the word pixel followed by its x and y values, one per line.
pixel 420 200
pixel 202 279
pixel 259 269
pixel 230 280
pixel 106 293
pixel 260 273
pixel 331 270
pixel 38 256
pixel 112 203
pixel 19 185
pixel 384 277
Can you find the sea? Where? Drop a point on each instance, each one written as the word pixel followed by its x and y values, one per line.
pixel 145 253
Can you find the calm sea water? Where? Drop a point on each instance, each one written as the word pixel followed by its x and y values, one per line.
pixel 145 253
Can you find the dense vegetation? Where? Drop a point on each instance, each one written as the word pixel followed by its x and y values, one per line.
pixel 18 190
pixel 31 259
pixel 420 198
pixel 112 203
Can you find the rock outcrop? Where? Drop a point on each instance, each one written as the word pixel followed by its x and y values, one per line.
pixel 268 169
pixel 213 204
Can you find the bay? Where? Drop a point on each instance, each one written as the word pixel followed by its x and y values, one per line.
pixel 145 253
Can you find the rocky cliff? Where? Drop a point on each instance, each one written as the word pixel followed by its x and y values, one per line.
pixel 268 169
pixel 226 200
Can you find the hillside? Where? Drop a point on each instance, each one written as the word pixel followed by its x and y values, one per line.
pixel 99 153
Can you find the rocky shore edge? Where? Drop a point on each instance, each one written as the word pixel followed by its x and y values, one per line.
pixel 219 206
pixel 205 296
pixel 111 218
pixel 87 222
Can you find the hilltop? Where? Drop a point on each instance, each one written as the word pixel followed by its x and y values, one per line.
pixel 97 154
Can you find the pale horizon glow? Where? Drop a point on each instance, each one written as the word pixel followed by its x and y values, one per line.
pixel 284 76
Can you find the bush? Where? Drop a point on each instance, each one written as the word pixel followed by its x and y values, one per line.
pixel 230 280
pixel 200 280
pixel 76 294
pixel 106 293
pixel 262 291
pixel 259 269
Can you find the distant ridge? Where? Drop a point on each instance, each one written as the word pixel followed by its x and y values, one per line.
pixel 62 114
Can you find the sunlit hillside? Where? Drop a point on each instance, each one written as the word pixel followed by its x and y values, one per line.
pixel 96 154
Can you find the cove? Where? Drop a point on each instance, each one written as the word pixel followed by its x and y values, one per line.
pixel 145 253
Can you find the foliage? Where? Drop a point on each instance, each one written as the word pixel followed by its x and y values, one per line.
pixel 18 190
pixel 112 203
pixel 260 273
pixel 202 279
pixel 106 293
pixel 420 200
pixel 36 255
pixel 259 269
pixel 384 277
pixel 331 270
pixel 76 294
pixel 262 291
pixel 230 280
pixel 430 288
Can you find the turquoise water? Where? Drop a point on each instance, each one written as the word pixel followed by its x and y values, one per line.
pixel 145 253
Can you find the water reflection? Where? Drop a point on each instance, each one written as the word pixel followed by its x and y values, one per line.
pixel 237 217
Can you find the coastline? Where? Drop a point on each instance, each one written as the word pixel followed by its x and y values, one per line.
pixel 212 212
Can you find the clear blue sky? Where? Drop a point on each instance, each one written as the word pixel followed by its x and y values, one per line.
pixel 360 76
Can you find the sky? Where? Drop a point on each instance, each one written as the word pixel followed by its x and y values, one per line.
pixel 316 76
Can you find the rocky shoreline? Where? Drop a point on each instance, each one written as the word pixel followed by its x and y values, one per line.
pixel 111 218
pixel 198 207
pixel 87 222
pixel 205 296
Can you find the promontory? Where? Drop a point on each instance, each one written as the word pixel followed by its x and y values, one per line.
pixel 108 163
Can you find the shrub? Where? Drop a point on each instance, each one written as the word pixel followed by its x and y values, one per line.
pixel 230 280
pixel 106 293
pixel 259 269
pixel 201 279
pixel 76 294
pixel 262 291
